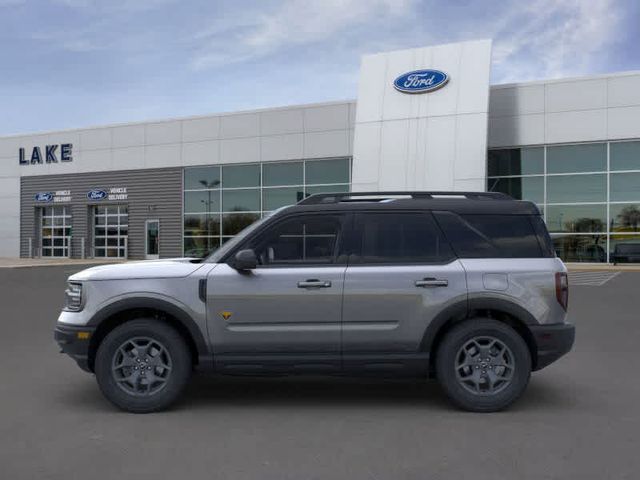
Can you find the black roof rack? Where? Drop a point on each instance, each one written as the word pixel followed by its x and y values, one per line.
pixel 320 198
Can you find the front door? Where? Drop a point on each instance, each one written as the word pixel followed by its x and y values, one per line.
pixel 286 313
pixel 152 239
pixel 402 275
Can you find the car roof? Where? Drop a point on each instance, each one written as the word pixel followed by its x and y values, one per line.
pixel 458 202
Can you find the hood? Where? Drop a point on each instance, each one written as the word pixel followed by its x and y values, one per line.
pixel 166 268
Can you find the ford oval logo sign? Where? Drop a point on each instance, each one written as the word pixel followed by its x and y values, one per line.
pixel 97 195
pixel 421 81
pixel 44 197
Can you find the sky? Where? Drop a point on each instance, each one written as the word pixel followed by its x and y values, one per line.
pixel 78 63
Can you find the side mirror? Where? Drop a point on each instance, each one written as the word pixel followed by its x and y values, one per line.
pixel 245 260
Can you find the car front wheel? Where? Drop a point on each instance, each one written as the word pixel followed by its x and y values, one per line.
pixel 143 366
pixel 483 365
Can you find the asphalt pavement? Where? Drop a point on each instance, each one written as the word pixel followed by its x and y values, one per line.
pixel 579 418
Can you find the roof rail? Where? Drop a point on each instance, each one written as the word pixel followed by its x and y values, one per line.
pixel 320 198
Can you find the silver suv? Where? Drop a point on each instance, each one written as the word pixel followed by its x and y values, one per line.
pixel 464 287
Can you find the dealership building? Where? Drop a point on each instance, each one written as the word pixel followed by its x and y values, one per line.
pixel 424 119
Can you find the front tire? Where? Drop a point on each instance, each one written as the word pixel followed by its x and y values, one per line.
pixel 483 365
pixel 143 366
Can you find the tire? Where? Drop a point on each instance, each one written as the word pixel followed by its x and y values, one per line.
pixel 474 384
pixel 134 385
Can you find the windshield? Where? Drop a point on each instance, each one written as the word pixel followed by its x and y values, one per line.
pixel 216 256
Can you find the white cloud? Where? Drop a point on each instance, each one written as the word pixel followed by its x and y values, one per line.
pixel 553 38
pixel 294 22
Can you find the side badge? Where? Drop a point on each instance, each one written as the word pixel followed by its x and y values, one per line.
pixel 226 315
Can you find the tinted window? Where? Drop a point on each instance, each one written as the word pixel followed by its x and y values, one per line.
pixel 401 238
pixel 491 236
pixel 516 161
pixel 309 239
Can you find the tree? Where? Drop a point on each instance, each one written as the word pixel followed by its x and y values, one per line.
pixel 629 217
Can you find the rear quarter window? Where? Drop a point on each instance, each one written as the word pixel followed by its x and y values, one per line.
pixel 494 236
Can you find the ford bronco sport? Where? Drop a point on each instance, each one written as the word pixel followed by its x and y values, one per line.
pixel 464 287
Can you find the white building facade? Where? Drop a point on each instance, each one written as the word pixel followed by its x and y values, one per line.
pixel 424 119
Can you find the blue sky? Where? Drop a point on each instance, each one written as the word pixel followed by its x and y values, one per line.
pixel 76 63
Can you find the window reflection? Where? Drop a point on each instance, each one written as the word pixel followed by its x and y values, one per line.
pixel 624 217
pixel 577 218
pixel 581 248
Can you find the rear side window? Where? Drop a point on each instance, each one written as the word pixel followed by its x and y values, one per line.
pixel 493 236
pixel 401 238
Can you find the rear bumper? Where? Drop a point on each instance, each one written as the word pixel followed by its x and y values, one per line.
pixel 552 341
pixel 73 344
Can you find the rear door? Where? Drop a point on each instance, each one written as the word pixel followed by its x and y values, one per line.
pixel 402 274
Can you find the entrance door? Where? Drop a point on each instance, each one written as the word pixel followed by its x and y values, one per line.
pixel 152 239
pixel 285 314
pixel 55 233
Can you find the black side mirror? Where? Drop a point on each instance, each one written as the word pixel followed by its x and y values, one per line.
pixel 245 260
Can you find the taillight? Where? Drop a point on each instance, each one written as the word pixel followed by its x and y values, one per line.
pixel 562 289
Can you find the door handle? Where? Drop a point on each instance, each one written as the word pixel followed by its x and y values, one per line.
pixel 313 283
pixel 432 282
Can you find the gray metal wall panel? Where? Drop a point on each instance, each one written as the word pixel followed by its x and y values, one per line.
pixel 152 193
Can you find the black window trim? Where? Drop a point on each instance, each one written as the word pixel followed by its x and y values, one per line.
pixel 356 246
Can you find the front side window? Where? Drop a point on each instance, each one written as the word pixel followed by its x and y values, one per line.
pixel 305 239
pixel 401 238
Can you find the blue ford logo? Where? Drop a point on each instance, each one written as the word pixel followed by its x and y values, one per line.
pixel 97 195
pixel 421 81
pixel 44 197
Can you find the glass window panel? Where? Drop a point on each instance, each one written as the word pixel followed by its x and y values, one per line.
pixel 99 252
pixel 327 171
pixel 624 249
pixel 491 236
pixel 581 248
pixel 520 188
pixel 241 176
pixel 99 220
pixel 273 198
pixel 59 252
pixel 625 187
pixel 235 222
pixel 576 188
pixel 205 201
pixel 46 242
pixel 328 189
pixel 303 239
pixel 286 173
pixel 241 200
pixel 577 218
pixel 401 238
pixel 516 161
pixel 201 177
pixel 624 217
pixel 625 155
pixel 202 225
pixel 590 157
pixel 200 246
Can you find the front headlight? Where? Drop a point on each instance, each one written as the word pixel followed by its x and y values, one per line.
pixel 73 297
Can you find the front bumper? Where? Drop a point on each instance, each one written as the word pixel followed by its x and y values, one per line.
pixel 74 341
pixel 552 341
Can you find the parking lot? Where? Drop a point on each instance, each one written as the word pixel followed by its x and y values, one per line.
pixel 579 418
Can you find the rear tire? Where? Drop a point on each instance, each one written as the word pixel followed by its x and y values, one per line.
pixel 483 365
pixel 143 366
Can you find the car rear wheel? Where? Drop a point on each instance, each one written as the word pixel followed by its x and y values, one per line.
pixel 143 366
pixel 483 365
